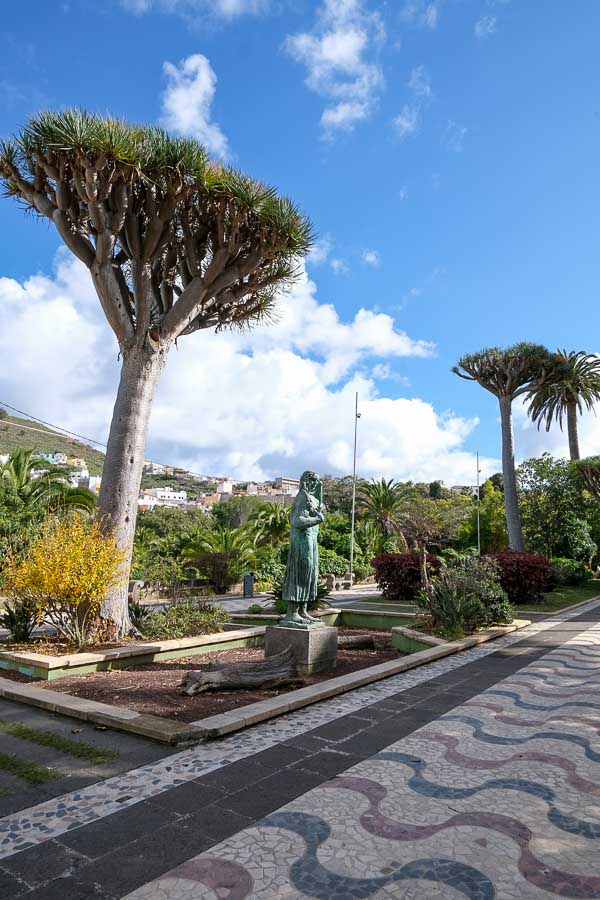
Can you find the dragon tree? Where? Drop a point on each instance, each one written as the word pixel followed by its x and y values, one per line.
pixel 174 243
pixel 507 374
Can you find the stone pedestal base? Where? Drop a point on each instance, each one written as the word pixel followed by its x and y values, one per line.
pixel 315 649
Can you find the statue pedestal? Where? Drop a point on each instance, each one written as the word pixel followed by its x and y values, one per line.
pixel 315 649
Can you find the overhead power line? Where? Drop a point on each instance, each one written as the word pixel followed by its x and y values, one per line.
pixel 66 432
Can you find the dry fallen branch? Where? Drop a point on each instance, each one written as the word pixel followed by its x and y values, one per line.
pixel 271 672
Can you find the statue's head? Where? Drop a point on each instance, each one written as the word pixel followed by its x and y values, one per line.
pixel 309 482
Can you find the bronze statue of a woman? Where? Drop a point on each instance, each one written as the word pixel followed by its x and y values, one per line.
pixel 302 571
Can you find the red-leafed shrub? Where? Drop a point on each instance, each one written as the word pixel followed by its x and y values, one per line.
pixel 399 574
pixel 524 576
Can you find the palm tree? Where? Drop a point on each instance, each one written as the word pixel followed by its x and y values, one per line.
pixel 44 494
pixel 271 524
pixel 382 503
pixel 569 383
pixel 506 373
pixel 225 553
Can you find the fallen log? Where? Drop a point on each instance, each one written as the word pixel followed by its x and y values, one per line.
pixel 355 641
pixel 274 671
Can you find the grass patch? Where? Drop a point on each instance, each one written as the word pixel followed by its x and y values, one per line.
pixel 64 745
pixel 565 596
pixel 24 768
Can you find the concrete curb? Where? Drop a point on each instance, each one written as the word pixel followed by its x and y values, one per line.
pixel 168 731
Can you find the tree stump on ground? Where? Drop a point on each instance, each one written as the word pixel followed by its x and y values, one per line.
pixel 275 671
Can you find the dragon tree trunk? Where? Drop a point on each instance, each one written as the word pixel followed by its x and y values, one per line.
pixel 511 499
pixel 123 466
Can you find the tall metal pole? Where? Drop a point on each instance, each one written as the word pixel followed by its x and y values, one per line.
pixel 356 418
pixel 478 505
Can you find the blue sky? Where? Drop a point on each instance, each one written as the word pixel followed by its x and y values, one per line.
pixel 445 151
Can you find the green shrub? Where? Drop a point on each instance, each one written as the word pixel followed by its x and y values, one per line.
pixel 466 595
pixel 19 618
pixel 269 568
pixel 567 571
pixel 186 618
pixel 331 563
pixel 255 609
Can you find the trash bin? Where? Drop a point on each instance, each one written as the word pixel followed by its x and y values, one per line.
pixel 248 585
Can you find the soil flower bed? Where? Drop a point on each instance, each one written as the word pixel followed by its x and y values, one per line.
pixel 155 688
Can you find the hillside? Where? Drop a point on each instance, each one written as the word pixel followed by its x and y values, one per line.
pixel 23 434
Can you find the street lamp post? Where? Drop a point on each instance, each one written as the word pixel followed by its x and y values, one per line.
pixel 356 418
pixel 478 507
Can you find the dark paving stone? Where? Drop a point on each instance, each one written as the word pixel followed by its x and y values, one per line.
pixel 411 695
pixel 374 714
pixel 236 776
pixel 217 823
pixel 340 729
pixel 367 742
pixel 306 743
pixel 439 704
pixel 186 798
pixel 117 830
pixel 128 867
pixel 279 757
pixel 328 763
pixel 70 889
pixel 43 863
pixel 275 791
pixel 18 795
pixel 10 886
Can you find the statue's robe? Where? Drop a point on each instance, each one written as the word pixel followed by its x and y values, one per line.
pixel 302 570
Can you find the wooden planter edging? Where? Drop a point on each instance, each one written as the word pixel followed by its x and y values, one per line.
pixel 47 668
pixel 169 731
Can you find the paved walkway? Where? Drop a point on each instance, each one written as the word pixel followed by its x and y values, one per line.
pixel 473 777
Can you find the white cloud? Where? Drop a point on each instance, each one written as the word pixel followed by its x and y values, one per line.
pixel 339 57
pixel 454 135
pixel 222 9
pixel 484 26
pixel 339 266
pixel 420 82
pixel 285 397
pixel 371 257
pixel 421 13
pixel 187 101
pixel 320 251
pixel 402 193
pixel 407 121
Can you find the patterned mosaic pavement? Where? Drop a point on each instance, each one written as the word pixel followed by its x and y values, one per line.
pixel 498 798
pixel 51 819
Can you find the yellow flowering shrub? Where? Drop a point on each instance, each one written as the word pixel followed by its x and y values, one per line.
pixel 67 572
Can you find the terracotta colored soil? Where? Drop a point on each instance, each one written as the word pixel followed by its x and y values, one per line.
pixel 155 688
